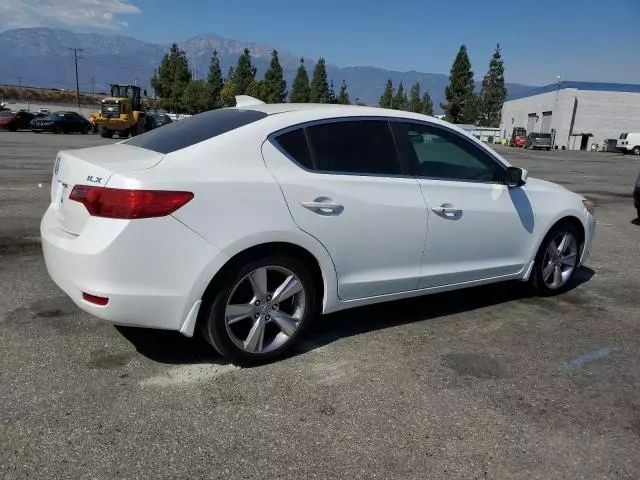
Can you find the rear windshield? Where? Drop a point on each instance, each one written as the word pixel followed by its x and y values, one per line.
pixel 189 131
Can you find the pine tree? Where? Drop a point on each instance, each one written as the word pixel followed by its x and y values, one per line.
pixel 400 100
pixel 386 100
pixel 494 92
pixel 415 104
pixel 228 94
pixel 343 96
pixel 244 73
pixel 300 90
pixel 333 98
pixel 460 89
pixel 230 73
pixel 258 89
pixel 275 88
pixel 426 104
pixel 319 85
pixel 196 97
pixel 172 79
pixel 215 81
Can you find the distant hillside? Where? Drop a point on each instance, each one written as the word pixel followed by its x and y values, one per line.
pixel 46 95
pixel 42 57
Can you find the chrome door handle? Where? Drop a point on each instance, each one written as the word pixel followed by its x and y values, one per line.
pixel 322 206
pixel 447 210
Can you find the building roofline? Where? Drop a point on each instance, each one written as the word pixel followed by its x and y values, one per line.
pixel 593 86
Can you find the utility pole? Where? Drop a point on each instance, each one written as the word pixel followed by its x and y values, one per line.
pixel 75 58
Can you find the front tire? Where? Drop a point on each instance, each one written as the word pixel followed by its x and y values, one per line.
pixel 636 150
pixel 557 261
pixel 104 133
pixel 261 309
pixel 123 134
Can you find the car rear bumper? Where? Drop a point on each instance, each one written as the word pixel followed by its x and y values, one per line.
pixel 153 271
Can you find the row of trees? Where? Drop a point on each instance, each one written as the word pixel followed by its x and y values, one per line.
pixel 398 100
pixel 178 92
pixel 463 104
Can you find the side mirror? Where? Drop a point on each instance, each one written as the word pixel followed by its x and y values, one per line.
pixel 516 177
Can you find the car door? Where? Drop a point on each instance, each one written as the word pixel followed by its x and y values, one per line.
pixel 478 227
pixel 344 185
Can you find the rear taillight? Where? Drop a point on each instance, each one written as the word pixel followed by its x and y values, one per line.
pixel 128 204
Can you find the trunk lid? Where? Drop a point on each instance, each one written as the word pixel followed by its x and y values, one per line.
pixel 92 166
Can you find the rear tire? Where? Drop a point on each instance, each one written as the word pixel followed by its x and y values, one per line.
pixel 636 150
pixel 243 318
pixel 124 134
pixel 104 133
pixel 556 262
pixel 548 148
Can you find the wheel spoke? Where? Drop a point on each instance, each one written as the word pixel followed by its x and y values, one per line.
pixel 258 281
pixel 254 340
pixel 287 323
pixel 289 287
pixel 547 271
pixel 564 243
pixel 557 276
pixel 552 249
pixel 238 312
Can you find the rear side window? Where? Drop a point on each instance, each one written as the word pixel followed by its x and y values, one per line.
pixel 360 147
pixel 189 131
pixel 295 144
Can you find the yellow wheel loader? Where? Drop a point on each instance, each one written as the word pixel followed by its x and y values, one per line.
pixel 122 113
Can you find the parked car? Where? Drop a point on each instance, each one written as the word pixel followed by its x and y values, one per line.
pixel 61 122
pixel 243 223
pixel 157 120
pixel 629 143
pixel 538 140
pixel 518 137
pixel 13 121
pixel 636 196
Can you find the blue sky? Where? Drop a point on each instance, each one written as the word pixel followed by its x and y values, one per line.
pixel 579 40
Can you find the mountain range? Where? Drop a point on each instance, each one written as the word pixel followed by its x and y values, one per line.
pixel 44 57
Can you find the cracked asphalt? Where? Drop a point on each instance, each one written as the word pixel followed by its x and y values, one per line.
pixel 481 383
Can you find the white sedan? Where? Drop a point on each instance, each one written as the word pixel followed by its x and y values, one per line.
pixel 244 223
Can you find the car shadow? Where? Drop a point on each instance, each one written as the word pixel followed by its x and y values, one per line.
pixel 171 347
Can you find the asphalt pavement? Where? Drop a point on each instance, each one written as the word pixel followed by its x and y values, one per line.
pixel 475 384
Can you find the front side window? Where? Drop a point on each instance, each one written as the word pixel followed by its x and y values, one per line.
pixel 437 153
pixel 359 147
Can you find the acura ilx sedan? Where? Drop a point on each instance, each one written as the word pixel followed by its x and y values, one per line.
pixel 244 223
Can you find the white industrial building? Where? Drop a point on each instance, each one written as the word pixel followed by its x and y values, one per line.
pixel 577 114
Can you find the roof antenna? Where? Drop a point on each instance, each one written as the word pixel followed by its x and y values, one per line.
pixel 246 101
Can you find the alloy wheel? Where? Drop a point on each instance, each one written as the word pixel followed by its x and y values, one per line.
pixel 559 260
pixel 265 309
